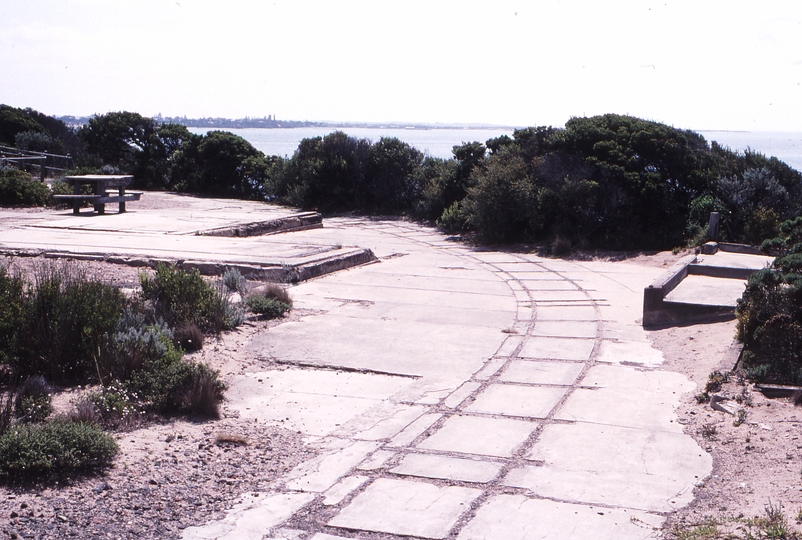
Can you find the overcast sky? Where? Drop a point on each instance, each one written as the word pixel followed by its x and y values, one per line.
pixel 696 64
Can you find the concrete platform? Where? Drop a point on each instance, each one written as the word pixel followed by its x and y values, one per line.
pixel 191 232
pixel 700 288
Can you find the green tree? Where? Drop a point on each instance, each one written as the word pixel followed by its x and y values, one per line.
pixel 392 181
pixel 13 121
pixel 220 163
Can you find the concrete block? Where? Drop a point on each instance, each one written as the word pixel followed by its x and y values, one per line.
pixel 480 435
pixel 406 508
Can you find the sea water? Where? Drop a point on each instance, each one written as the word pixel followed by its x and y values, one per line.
pixel 433 142
pixel 786 146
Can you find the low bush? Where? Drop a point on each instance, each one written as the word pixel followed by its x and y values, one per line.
pixel 183 298
pixel 37 451
pixel 202 391
pixel 170 385
pixel 189 337
pixel 180 297
pixel 270 301
pixel 67 318
pixel 18 189
pixel 233 280
pixel 32 402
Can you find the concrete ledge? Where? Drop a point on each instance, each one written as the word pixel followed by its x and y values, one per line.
pixel 710 248
pixel 297 222
pixel 720 271
pixel 654 308
pixel 322 264
pixel 731 357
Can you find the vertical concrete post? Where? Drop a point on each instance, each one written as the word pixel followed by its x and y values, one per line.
pixel 712 226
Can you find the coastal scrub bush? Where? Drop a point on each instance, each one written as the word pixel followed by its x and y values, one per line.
pixel 178 296
pixel 271 301
pixel 32 402
pixel 18 189
pixel 233 280
pixel 171 385
pixel 30 451
pixel 770 324
pixel 188 337
pixel 12 315
pixel 67 317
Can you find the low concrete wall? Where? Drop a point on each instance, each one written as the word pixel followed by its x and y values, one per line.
pixel 657 312
pixel 297 222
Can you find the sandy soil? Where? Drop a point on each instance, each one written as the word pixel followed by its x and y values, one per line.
pixel 757 462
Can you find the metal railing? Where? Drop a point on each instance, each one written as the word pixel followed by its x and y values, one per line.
pixel 35 161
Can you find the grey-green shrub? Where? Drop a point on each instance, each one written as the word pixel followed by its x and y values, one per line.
pixel 233 280
pixel 30 451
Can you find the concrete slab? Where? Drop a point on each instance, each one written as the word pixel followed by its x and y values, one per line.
pixel 538 372
pixel 407 348
pixel 339 491
pixel 252 518
pixel 458 396
pixel 315 402
pixel 490 368
pixel 414 430
pixel 406 508
pixel 558 348
pixel 735 260
pixel 509 345
pixel 447 468
pixel 559 296
pixel 515 517
pixel 708 291
pixel 584 329
pixel 515 400
pixel 566 313
pixel 633 468
pixel 322 472
pixel 377 460
pixel 480 435
pixel 629 352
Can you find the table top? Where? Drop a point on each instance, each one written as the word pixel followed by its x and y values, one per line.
pixel 108 179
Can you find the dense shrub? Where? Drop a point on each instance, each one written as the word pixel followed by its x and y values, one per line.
pixel 770 322
pixel 170 385
pixel 270 301
pixel 67 319
pixel 18 189
pixel 12 315
pixel 64 321
pixel 269 308
pixel 57 447
pixel 180 297
pixel 233 280
pixel 219 163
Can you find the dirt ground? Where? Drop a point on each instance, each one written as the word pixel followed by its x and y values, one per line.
pixel 174 473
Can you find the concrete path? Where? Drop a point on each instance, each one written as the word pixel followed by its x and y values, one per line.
pixel 463 394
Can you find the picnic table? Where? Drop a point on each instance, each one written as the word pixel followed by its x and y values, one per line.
pixel 100 184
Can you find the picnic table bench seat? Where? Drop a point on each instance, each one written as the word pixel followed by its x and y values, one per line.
pixel 101 195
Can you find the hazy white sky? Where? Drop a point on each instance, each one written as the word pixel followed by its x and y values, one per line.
pixel 696 64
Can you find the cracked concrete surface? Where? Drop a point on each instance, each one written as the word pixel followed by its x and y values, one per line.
pixel 451 392
pixel 487 395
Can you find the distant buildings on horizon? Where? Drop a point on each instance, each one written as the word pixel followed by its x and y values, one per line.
pixel 270 122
